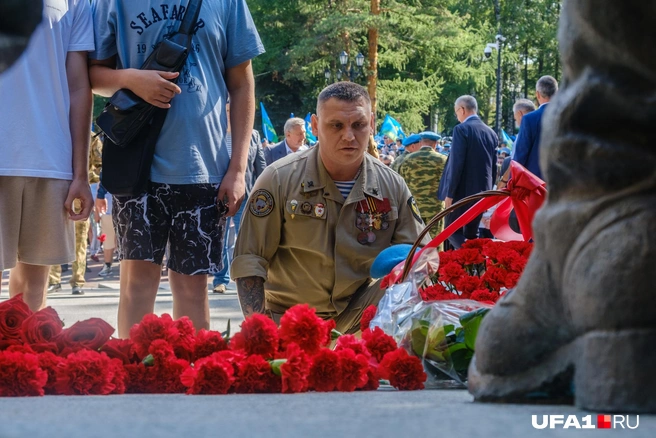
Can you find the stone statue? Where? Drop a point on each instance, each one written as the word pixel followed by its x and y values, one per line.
pixel 18 19
pixel 581 323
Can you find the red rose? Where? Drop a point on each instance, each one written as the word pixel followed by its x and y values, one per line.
pixel 325 371
pixel 402 370
pixel 378 343
pixel 49 362
pixel 41 327
pixel 350 342
pixel 121 349
pixel 295 370
pixel 208 342
pixel 85 372
pixel 20 375
pixel 258 335
pixel 13 313
pixel 354 368
pixel 368 314
pixel 255 376
pixel 301 325
pixel 90 334
pixel 151 328
pixel 210 375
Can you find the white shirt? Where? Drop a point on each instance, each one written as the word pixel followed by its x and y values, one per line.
pixel 36 139
pixel 289 151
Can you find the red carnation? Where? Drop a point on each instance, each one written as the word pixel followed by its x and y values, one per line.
pixel 511 280
pixel 494 277
pixel 210 375
pixel 121 349
pixel 120 377
pixel 208 342
pixel 436 292
pixel 484 296
pixel 102 237
pixel 476 244
pixel 85 372
pixel 301 325
pixel 184 343
pixel 451 272
pixel 295 370
pixel 49 362
pixel 20 375
pixel 151 328
pixel 258 335
pixel 13 313
pixel 350 342
pixel 402 370
pixel 373 381
pixel 470 256
pixel 90 334
pixel 368 314
pixel 164 375
pixel 354 368
pixel 325 371
pixel 468 284
pixel 42 327
pixel 255 376
pixel 378 343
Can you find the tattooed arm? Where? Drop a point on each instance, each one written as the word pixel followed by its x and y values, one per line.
pixel 251 295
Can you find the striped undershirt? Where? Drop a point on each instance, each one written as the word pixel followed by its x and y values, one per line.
pixel 345 187
pixel 228 140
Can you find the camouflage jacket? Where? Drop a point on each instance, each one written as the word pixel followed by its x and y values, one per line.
pixel 422 171
pixel 396 164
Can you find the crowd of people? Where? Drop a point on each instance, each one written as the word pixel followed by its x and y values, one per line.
pixel 307 222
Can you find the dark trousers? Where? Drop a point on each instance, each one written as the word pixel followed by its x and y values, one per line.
pixel 468 232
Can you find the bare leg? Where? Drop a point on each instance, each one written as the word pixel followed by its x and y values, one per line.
pixel 190 298
pixel 139 283
pixel 31 281
pixel 108 255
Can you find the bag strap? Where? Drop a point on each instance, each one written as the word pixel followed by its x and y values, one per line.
pixel 191 17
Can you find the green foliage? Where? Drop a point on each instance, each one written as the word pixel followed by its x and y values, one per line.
pixel 429 53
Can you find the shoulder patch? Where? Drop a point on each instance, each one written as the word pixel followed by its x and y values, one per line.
pixel 414 209
pixel 261 203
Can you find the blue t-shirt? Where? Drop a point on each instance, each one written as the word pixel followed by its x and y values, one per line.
pixel 191 147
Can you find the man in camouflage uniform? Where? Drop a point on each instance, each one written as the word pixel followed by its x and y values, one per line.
pixel 422 171
pixel 79 265
pixel 411 144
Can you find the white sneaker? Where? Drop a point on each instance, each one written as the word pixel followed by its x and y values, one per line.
pixel 105 271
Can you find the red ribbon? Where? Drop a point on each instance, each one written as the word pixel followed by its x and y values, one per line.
pixel 526 194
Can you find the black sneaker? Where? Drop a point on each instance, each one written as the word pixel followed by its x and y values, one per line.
pixel 54 287
pixel 77 290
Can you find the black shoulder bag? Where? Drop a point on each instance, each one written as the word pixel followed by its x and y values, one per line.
pixel 132 126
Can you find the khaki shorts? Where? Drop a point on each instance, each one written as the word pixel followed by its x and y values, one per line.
pixel 107 228
pixel 34 225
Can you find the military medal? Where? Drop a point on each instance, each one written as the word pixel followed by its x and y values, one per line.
pixel 371 214
pixel 319 210
pixel 306 207
pixel 294 205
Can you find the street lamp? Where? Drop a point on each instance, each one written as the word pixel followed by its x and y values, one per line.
pixel 488 53
pixel 350 74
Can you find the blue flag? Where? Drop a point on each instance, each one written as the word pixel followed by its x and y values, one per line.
pixel 505 139
pixel 391 128
pixel 308 129
pixel 267 126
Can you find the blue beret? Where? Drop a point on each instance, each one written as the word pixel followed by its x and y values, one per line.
pixel 388 259
pixel 430 135
pixel 414 138
pixel 504 151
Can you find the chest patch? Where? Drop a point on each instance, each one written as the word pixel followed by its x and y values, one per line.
pixel 261 203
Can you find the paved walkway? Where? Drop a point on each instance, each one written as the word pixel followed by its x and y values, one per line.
pixel 385 413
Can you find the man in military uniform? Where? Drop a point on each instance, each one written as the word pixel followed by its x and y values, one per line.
pixel 79 265
pixel 422 171
pixel 316 220
pixel 411 144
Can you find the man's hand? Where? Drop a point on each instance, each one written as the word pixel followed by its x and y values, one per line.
pixel 232 190
pixel 101 206
pixel 81 191
pixel 448 202
pixel 155 87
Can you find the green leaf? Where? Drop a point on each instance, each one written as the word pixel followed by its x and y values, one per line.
pixel 418 335
pixel 149 360
pixel 226 334
pixel 334 334
pixel 275 366
pixel 470 322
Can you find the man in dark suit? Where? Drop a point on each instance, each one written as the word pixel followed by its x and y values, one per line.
pixel 471 167
pixel 527 147
pixel 293 142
